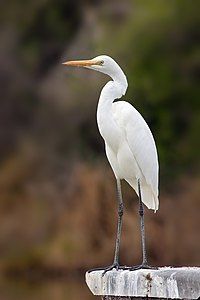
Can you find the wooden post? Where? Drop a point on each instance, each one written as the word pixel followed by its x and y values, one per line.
pixel 164 283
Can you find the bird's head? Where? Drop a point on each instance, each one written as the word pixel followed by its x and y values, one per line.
pixel 104 64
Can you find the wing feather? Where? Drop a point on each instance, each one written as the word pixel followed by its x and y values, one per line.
pixel 140 141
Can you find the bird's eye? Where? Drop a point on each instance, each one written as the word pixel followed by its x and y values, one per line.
pixel 101 62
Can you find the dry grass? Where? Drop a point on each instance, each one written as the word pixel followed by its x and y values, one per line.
pixel 74 227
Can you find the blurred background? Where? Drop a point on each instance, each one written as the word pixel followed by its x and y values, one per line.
pixel 57 191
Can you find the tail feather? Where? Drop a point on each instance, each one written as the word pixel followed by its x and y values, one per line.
pixel 149 198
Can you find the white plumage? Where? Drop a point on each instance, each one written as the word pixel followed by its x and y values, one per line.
pixel 142 146
pixel 129 145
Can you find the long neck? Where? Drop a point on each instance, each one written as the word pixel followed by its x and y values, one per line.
pixel 108 128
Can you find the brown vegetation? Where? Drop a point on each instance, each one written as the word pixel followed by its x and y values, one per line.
pixel 77 231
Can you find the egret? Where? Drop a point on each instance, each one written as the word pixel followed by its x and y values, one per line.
pixel 129 146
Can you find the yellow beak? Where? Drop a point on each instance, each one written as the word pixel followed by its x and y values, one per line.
pixel 81 63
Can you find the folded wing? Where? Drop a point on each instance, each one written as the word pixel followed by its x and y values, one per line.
pixel 142 145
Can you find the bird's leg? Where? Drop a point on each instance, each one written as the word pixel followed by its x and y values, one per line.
pixel 115 264
pixel 144 264
pixel 142 228
pixel 119 223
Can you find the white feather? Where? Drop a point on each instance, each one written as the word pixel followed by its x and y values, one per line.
pixel 141 143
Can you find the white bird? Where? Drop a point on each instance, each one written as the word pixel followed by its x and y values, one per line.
pixel 129 145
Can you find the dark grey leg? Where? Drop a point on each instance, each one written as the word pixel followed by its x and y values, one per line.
pixel 144 264
pixel 115 264
pixel 119 223
pixel 141 213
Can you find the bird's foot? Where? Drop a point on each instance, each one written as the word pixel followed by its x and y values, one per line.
pixel 110 268
pixel 96 269
pixel 142 266
pixel 113 266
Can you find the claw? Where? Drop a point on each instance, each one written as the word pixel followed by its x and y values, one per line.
pixel 110 268
pixel 96 269
pixel 118 267
pixel 142 266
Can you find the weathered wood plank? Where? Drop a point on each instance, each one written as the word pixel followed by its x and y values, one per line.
pixel 128 298
pixel 166 283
